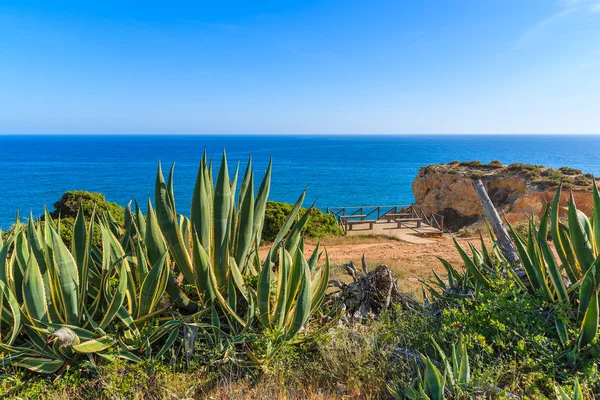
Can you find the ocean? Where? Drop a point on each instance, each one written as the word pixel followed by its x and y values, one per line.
pixel 338 170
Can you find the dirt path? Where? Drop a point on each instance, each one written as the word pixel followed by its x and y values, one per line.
pixel 409 262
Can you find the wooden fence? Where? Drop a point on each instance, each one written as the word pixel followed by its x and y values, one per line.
pixel 371 214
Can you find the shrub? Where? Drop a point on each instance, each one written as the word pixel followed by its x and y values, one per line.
pixel 570 171
pixel 429 169
pixel 319 224
pixel 69 204
pixel 495 164
pixel 474 163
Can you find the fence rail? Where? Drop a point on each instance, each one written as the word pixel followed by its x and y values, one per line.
pixel 372 214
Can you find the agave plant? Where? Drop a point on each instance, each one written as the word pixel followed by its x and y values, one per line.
pixel 475 276
pixel 49 289
pixel 436 385
pixel 215 251
pixel 570 280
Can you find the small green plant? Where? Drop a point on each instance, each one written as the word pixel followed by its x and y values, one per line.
pixel 577 392
pixel 435 385
pixel 570 171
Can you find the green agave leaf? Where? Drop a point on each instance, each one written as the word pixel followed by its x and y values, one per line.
pixel 13 306
pixel 534 274
pixel 167 219
pixel 552 266
pixel 201 207
pixel 294 238
pixel 94 345
pixel 453 274
pixel 153 287
pixel 561 329
pixel 302 309
pixel 596 216
pixel 222 210
pixel 581 236
pixel 245 222
pixel 260 204
pixel 79 240
pixel 321 282
pixel 557 239
pixel 294 280
pixel 464 373
pixel 471 266
pixel 238 279
pixel 248 174
pixel 446 362
pixel 572 268
pixel 586 292
pixel 142 262
pixel 140 221
pixel 264 289
pixel 169 342
pixel 314 258
pixel 577 392
pixel 68 279
pixel 34 292
pixel 127 319
pixel 224 304
pixel 202 275
pixel 84 271
pixel 435 382
pixel 117 299
pixel 40 365
pixel 289 221
pixel 589 328
pixel 281 297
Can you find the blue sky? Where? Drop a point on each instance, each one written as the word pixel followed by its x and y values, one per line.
pixel 300 67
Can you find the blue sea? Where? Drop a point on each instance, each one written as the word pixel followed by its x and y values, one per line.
pixel 338 170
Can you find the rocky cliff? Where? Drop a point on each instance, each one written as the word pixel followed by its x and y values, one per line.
pixel 517 190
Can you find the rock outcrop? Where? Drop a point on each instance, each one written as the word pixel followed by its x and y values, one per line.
pixel 517 190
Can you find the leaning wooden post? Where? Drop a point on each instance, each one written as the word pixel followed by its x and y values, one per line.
pixel 506 245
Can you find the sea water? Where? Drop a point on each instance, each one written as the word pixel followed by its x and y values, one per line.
pixel 338 170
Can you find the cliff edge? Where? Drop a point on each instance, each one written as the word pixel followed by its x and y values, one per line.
pixel 517 190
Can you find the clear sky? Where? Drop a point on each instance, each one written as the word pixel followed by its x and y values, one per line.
pixel 300 67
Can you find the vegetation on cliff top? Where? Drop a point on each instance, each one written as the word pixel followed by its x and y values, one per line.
pixel 537 175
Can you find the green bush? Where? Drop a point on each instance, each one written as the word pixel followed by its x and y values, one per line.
pixel 474 163
pixel 319 224
pixel 68 206
pixel 570 171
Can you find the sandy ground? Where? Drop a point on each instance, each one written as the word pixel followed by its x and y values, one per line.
pixel 409 262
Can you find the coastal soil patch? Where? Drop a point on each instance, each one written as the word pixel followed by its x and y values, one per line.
pixel 409 262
